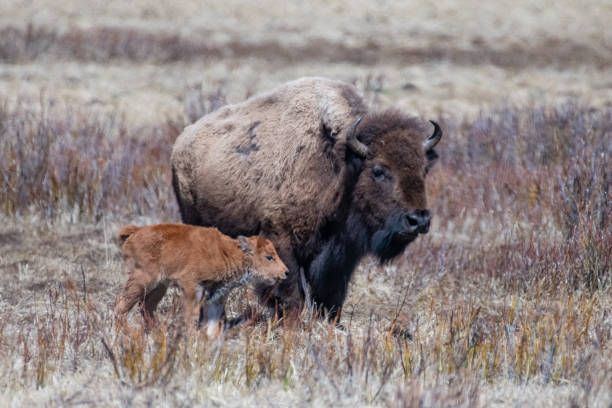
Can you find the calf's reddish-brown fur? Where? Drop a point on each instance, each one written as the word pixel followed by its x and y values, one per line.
pixel 203 262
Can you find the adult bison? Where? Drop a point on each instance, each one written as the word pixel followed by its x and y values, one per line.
pixel 310 167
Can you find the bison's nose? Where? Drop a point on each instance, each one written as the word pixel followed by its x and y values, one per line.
pixel 418 221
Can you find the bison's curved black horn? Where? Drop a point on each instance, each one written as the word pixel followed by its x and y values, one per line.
pixel 433 140
pixel 353 143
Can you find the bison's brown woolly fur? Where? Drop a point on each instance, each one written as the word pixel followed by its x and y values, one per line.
pixel 280 165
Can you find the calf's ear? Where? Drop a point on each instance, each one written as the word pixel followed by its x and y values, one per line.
pixel 245 246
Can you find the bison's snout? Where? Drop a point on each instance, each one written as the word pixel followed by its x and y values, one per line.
pixel 418 221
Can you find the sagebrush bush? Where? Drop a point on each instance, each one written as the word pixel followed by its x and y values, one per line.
pixel 59 159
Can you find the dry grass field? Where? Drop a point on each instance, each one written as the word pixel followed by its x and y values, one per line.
pixel 508 299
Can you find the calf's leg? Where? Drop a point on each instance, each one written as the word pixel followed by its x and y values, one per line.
pixel 132 293
pixel 151 300
pixel 191 305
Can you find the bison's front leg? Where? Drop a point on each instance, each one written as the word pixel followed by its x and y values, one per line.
pixel 328 294
pixel 329 275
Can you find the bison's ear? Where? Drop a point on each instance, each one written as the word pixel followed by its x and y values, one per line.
pixel 431 157
pixel 245 245
pixel 429 144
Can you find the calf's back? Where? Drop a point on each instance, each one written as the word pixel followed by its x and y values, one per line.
pixel 177 251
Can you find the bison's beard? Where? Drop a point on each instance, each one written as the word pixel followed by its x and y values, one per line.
pixel 392 239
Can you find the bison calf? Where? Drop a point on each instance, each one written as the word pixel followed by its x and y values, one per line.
pixel 203 262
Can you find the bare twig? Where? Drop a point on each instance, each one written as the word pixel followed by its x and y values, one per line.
pixel 84 284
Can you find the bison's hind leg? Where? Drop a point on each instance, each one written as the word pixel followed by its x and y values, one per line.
pixel 189 214
pixel 185 201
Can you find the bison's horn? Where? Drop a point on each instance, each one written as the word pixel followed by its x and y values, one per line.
pixel 433 140
pixel 353 143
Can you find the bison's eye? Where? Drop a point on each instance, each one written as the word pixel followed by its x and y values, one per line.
pixel 379 172
pixel 269 257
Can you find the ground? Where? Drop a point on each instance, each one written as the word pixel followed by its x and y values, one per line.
pixel 506 302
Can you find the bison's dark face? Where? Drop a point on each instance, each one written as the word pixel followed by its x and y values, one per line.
pixel 390 192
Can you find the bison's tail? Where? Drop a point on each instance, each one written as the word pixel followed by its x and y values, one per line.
pixel 125 232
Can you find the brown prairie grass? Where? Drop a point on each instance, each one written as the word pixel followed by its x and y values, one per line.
pixel 505 302
pixel 21 43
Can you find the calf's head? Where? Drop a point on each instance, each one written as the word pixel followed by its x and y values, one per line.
pixel 266 266
pixel 390 197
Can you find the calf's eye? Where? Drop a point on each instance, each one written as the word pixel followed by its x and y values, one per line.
pixel 269 257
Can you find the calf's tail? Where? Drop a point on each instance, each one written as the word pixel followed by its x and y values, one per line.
pixel 125 232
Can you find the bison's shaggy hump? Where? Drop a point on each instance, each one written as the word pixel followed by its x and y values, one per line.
pixel 354 100
pixel 296 165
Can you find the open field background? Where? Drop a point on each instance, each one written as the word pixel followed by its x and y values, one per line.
pixel 507 299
